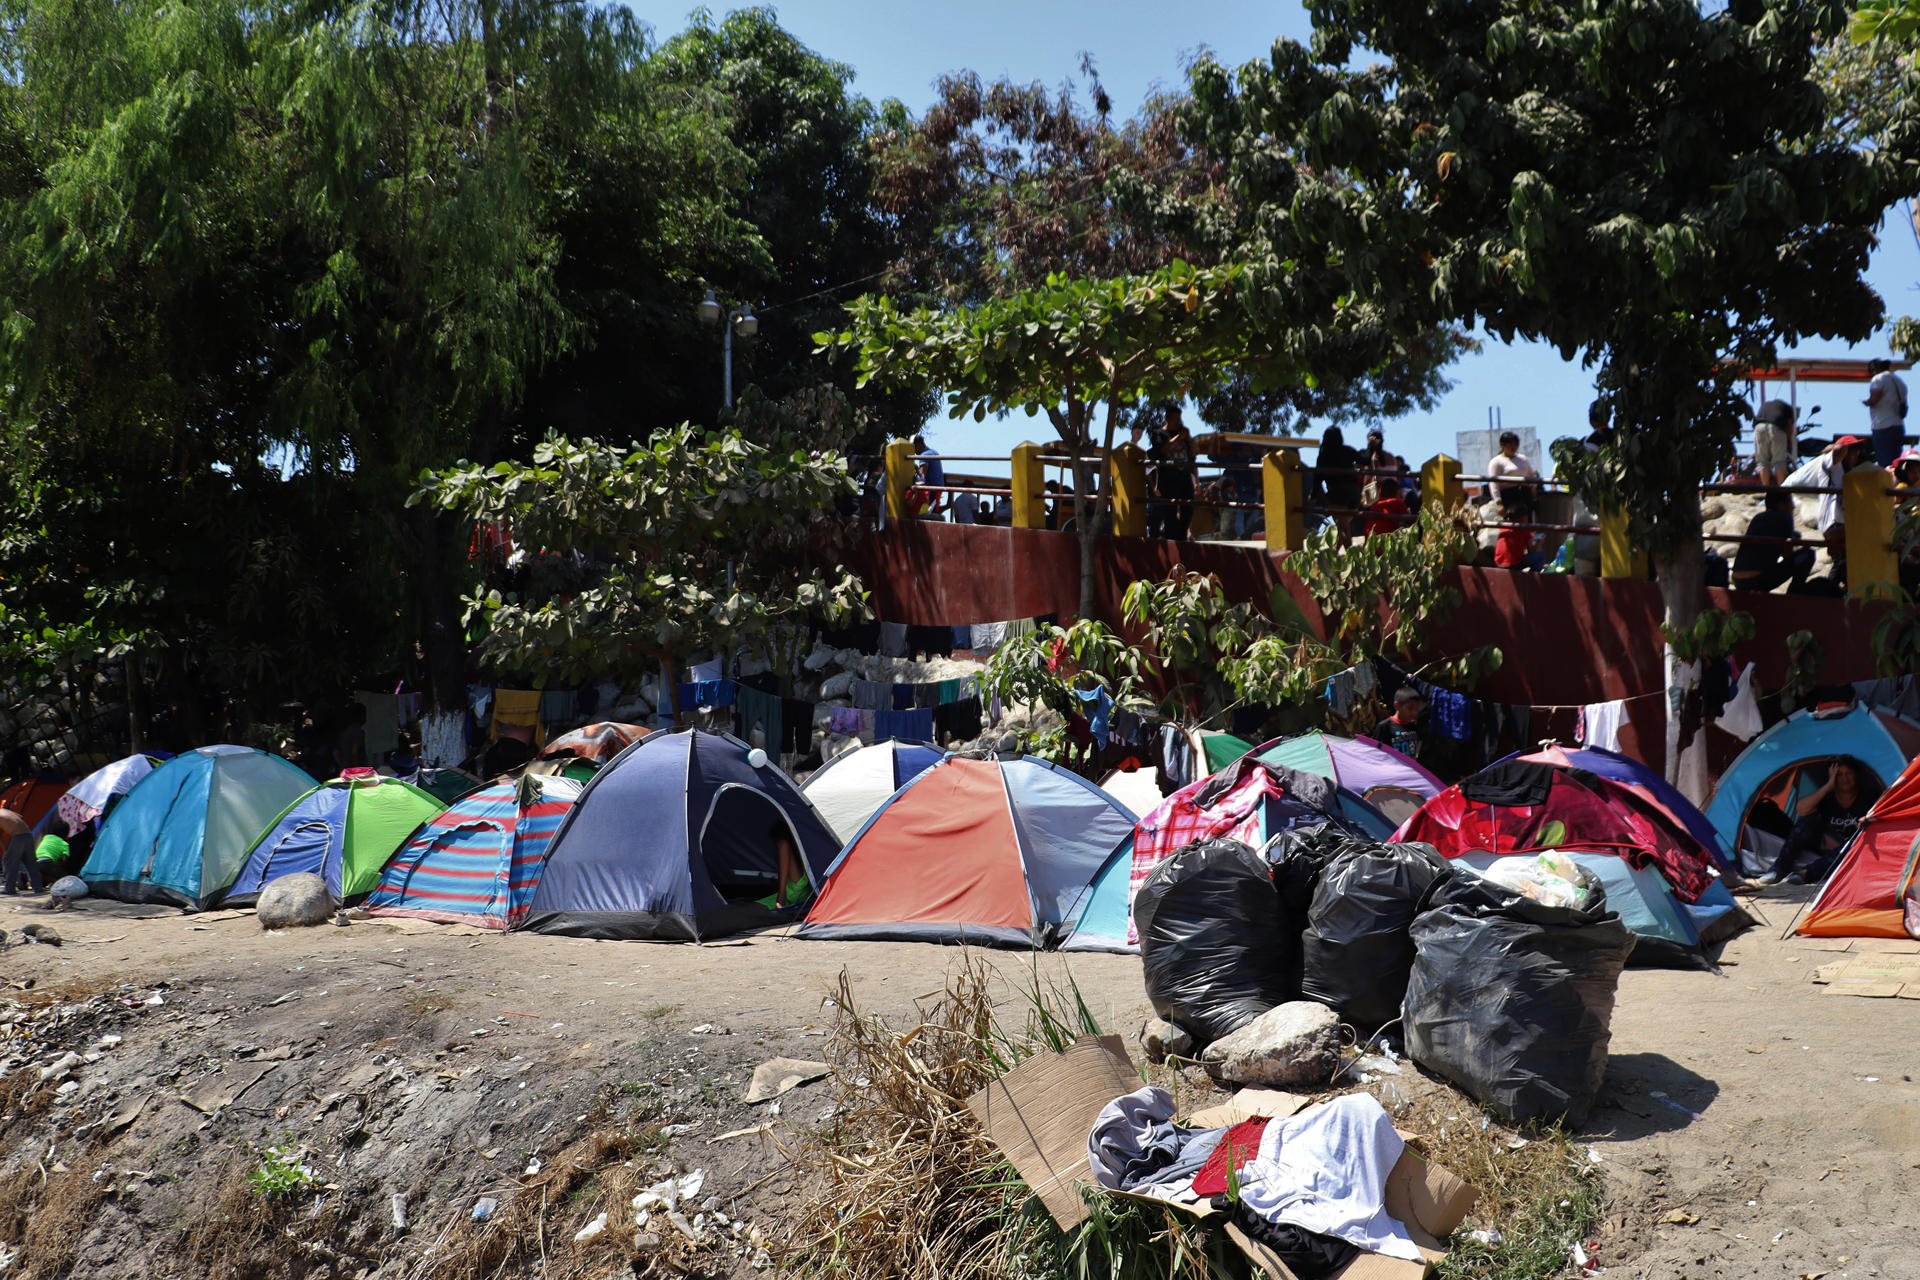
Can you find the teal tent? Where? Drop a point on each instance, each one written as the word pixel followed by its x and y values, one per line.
pixel 182 834
pixel 1664 934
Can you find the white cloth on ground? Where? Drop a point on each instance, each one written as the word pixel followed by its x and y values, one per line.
pixel 1326 1170
pixel 1122 1129
pixel 1600 724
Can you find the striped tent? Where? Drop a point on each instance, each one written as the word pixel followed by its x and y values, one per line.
pixel 478 861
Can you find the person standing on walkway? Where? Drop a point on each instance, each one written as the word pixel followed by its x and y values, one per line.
pixel 1887 411
pixel 1775 452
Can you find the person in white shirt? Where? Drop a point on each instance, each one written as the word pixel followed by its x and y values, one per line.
pixel 1510 462
pixel 1826 471
pixel 1887 411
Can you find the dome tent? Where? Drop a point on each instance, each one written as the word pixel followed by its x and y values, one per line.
pixel 1391 782
pixel 343 830
pixel 996 852
pixel 1788 761
pixel 673 839
pixel 850 788
pixel 477 861
pixel 1866 896
pixel 182 833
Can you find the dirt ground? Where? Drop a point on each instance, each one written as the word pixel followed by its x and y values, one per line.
pixel 1754 1125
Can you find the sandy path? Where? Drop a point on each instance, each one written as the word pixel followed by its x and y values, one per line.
pixel 1805 1149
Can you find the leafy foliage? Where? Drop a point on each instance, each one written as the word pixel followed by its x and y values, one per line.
pixel 687 544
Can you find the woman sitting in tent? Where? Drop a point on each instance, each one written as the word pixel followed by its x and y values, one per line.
pixel 1826 820
pixel 793 881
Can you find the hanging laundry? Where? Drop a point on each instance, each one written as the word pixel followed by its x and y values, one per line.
pixel 408 705
pixel 844 721
pixel 1099 712
pixel 902 697
pixel 516 709
pixel 712 669
pixel 957 721
pixel 1450 713
pixel 480 701
pixel 1742 717
pixel 1128 727
pixel 866 725
pixel 559 707
pixel 871 695
pixel 988 636
pixel 1498 722
pixel 1900 695
pixel 762 712
pixel 1600 724
pixel 383 723
pixel 925 695
pixel 915 725
pixel 796 720
pixel 893 639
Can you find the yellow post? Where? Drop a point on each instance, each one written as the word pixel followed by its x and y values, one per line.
pixel 1619 558
pixel 1029 478
pixel 1865 504
pixel 1285 493
pixel 1440 486
pixel 899 463
pixel 1127 473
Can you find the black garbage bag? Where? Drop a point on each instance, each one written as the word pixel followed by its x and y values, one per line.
pixel 1298 856
pixel 1212 939
pixel 1356 952
pixel 1512 1000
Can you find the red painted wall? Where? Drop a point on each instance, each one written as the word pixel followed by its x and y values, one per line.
pixel 1568 640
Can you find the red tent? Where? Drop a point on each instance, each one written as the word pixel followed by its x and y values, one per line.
pixel 1521 806
pixel 1862 898
pixel 32 798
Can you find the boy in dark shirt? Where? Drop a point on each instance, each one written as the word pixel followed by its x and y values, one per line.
pixel 1762 566
pixel 1402 730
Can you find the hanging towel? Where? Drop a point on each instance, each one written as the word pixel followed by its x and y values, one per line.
pixel 515 709
pixel 760 711
pixel 957 721
pixel 893 639
pixel 1099 712
pixel 866 725
pixel 949 691
pixel 559 706
pixel 1600 724
pixel 1742 716
pixel 870 695
pixel 925 695
pixel 480 701
pixel 915 725
pixel 712 669
pixel 844 721
pixel 987 636
pixel 1450 713
pixel 902 697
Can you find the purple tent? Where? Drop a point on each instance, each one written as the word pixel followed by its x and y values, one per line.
pixel 1615 767
pixel 1393 783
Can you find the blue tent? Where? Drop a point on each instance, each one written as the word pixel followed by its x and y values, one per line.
pixel 674 839
pixel 182 833
pixel 1752 807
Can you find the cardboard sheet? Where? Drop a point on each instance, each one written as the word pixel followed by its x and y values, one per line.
pixel 1039 1115
pixel 1872 974
pixel 1248 1104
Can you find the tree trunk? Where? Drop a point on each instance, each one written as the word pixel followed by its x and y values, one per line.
pixel 136 704
pixel 1682 576
pixel 1089 601
pixel 441 633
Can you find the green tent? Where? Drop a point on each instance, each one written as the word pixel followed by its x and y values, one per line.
pixel 344 831
pixel 1222 749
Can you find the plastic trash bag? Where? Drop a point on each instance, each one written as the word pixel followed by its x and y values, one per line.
pixel 1356 952
pixel 1552 879
pixel 1512 1000
pixel 1298 856
pixel 1212 939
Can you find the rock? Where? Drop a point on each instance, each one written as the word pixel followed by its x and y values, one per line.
pixel 1288 1046
pixel 1712 509
pixel 1162 1040
pixel 775 1077
pixel 1009 744
pixel 65 890
pixel 299 899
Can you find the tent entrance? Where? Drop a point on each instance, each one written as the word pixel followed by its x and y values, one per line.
pixel 1769 818
pixel 736 842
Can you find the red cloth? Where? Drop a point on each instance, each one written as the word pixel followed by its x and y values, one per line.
pixel 1241 1143
pixel 1387 515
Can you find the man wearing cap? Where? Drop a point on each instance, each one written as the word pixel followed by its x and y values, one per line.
pixel 1886 411
pixel 1826 471
pixel 1402 730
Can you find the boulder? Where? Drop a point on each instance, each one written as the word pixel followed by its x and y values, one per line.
pixel 299 899
pixel 1289 1046
pixel 1161 1040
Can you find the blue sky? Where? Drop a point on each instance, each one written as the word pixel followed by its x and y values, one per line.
pixel 897 49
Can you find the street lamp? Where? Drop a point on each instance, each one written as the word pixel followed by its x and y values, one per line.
pixel 741 321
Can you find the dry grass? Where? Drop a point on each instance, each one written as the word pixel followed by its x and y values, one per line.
pixel 49 1213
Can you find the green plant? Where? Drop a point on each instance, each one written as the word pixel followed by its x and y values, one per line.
pixel 283 1173
pixel 1713 634
pixel 1805 656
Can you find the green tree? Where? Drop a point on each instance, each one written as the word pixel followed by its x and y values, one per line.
pixel 688 544
pixel 1637 184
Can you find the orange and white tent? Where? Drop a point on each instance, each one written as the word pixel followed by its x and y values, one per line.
pixel 1864 897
